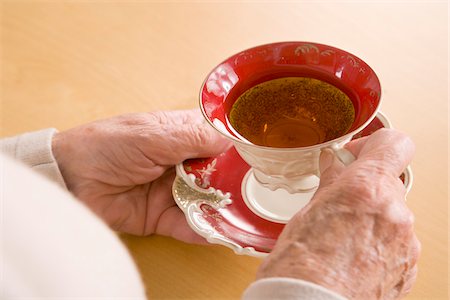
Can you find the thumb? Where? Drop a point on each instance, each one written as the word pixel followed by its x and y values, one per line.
pixel 182 134
pixel 193 140
pixel 203 141
pixel 330 167
pixel 390 150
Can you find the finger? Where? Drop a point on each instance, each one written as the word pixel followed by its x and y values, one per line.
pixel 189 140
pixel 388 150
pixel 180 117
pixel 330 167
pixel 356 146
pixel 407 267
pixel 404 285
pixel 159 199
pixel 414 251
pixel 194 116
pixel 173 223
pixel 163 215
pixel 410 278
pixel 203 141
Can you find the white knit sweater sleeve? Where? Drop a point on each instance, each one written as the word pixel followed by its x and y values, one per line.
pixel 279 288
pixel 34 149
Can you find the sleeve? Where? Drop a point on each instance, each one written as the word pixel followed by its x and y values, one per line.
pixel 34 149
pixel 55 247
pixel 288 288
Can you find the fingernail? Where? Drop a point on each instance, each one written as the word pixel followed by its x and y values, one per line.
pixel 326 159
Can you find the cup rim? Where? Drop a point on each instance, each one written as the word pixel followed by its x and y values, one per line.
pixel 344 137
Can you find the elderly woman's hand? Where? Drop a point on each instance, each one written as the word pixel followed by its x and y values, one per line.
pixel 356 235
pixel 122 167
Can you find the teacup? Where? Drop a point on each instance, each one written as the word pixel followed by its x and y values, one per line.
pixel 290 173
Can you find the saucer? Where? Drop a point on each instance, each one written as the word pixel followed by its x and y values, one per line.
pixel 209 193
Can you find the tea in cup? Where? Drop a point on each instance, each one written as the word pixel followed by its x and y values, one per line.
pixel 281 104
pixel 292 112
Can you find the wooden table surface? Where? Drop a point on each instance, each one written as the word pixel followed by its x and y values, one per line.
pixel 66 63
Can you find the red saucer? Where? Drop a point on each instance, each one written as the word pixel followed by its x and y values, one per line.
pixel 231 224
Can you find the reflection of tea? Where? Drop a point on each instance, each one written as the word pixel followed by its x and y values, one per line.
pixel 292 112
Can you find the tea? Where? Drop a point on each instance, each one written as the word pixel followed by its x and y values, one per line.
pixel 292 112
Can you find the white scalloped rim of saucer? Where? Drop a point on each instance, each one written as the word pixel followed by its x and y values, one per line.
pixel 185 184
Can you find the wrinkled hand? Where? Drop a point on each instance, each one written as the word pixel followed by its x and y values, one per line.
pixel 122 167
pixel 356 235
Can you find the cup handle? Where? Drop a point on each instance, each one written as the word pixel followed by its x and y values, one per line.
pixel 346 157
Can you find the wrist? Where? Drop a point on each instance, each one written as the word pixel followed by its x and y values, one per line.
pixel 295 260
pixel 58 150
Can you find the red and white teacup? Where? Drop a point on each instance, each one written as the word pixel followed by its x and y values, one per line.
pixel 290 173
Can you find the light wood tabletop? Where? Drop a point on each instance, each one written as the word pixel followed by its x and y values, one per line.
pixel 67 63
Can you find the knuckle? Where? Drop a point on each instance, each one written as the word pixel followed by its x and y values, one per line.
pixel 201 134
pixel 416 248
pixel 398 214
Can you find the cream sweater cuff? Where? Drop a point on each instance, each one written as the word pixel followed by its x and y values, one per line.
pixel 35 150
pixel 288 288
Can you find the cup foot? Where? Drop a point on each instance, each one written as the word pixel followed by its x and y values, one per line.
pixel 277 206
